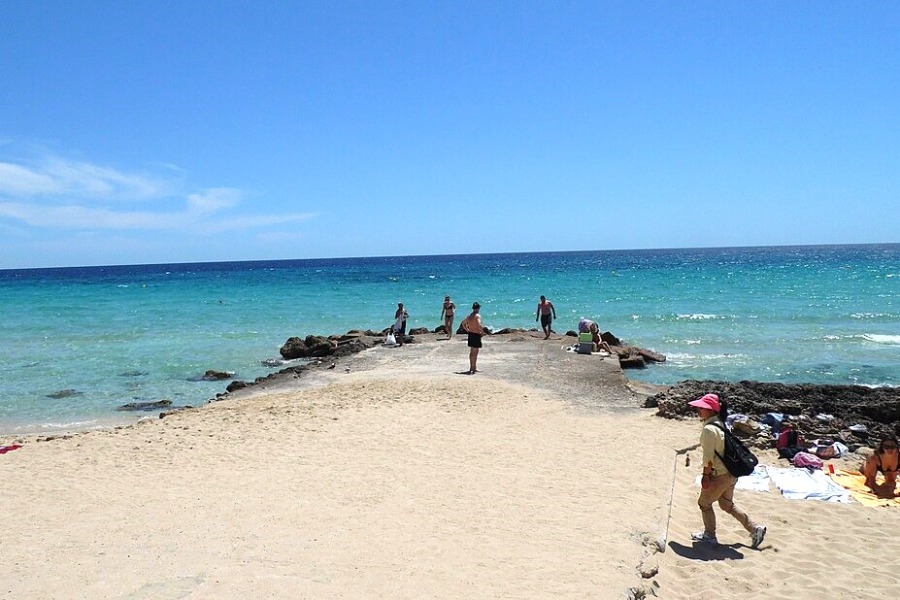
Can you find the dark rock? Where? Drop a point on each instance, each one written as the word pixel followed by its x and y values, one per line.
pixel 317 345
pixel 363 333
pixel 293 348
pixel 876 408
pixel 632 361
pixel 139 406
pixel 58 395
pixel 212 375
pixel 651 356
pixel 510 330
pixel 173 410
pixel 610 339
pixel 418 331
pixel 351 346
pixel 236 385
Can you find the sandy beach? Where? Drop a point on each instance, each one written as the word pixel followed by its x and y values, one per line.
pixel 393 475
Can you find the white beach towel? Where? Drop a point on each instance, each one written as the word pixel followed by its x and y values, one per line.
pixel 801 484
pixel 757 481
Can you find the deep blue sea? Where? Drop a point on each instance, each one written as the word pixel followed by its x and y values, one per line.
pixel 119 334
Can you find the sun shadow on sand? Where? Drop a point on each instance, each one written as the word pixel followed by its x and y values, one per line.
pixel 706 553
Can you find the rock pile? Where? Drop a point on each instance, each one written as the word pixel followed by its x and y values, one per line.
pixel 817 411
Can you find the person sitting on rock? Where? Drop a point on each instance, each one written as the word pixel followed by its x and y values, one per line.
pixel 885 459
pixel 588 326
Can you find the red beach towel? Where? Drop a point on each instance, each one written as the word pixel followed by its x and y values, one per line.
pixel 5 449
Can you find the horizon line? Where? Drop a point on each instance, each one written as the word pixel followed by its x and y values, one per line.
pixel 452 254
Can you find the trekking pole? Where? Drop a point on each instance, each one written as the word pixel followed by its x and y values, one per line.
pixel 663 540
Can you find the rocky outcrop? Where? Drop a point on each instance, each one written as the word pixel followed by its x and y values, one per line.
pixel 311 346
pixel 213 375
pixel 630 357
pixel 816 409
pixel 142 406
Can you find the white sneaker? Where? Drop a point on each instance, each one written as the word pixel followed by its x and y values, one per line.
pixel 757 537
pixel 704 537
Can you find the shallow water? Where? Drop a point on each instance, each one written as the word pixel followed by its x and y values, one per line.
pixel 123 334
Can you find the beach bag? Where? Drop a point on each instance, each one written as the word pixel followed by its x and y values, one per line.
pixel 789 437
pixel 737 457
pixel 390 340
pixel 805 459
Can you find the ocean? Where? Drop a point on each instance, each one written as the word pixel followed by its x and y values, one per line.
pixel 78 342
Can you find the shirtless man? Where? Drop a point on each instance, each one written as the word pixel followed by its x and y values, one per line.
pixel 472 325
pixel 546 312
pixel 447 313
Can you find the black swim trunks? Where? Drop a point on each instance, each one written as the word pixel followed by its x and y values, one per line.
pixel 546 320
pixel 474 340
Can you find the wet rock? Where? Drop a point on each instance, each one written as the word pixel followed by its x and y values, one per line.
pixel 60 394
pixel 142 406
pixel 313 345
pixel 236 385
pixel 212 375
pixel 352 346
pixel 632 361
pixel 134 373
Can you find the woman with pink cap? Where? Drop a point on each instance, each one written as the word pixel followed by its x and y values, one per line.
pixel 717 484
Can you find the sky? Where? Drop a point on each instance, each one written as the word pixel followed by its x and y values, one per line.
pixel 149 132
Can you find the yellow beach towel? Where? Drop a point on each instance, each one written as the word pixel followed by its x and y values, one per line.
pixel 856 483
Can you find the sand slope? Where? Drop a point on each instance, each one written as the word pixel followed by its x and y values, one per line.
pixel 401 479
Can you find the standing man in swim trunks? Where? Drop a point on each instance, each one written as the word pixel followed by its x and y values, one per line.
pixel 546 312
pixel 472 325
pixel 447 315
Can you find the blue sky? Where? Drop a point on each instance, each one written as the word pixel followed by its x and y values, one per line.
pixel 147 132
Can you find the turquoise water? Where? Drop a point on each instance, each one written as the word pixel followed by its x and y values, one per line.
pixel 138 333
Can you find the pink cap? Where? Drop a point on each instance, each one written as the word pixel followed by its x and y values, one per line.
pixel 710 401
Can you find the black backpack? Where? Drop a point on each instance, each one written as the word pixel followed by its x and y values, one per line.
pixel 737 458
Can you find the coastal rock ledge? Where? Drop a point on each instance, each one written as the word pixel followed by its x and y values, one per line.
pixel 816 409
pixel 356 340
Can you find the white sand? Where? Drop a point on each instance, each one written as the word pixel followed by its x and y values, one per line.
pixel 400 479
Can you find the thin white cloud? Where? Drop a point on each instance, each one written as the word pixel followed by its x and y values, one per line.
pixel 61 177
pixel 68 195
pixel 82 217
pixel 21 181
pixel 213 200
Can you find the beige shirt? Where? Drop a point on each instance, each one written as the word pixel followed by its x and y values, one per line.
pixel 712 440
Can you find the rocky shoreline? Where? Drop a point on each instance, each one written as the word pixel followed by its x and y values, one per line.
pixel 819 410
pixel 816 411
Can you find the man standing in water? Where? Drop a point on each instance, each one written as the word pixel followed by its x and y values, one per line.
pixel 472 325
pixel 546 312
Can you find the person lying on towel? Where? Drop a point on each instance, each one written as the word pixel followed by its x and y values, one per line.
pixel 885 459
